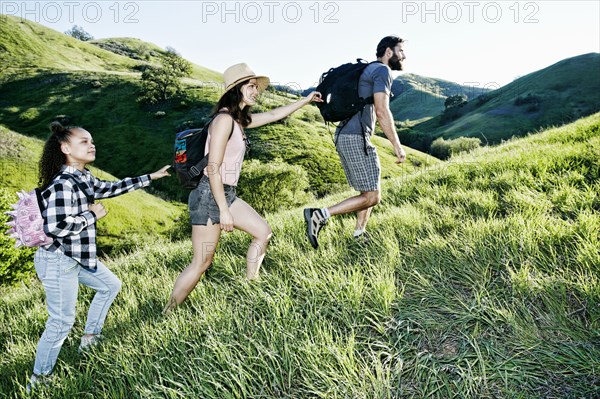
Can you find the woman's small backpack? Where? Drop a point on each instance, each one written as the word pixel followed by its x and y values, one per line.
pixel 189 159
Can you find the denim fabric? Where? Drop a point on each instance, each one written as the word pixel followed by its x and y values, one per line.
pixel 202 204
pixel 60 276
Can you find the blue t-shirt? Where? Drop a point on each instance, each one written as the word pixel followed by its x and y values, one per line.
pixel 376 78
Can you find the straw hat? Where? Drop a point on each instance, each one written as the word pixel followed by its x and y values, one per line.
pixel 241 72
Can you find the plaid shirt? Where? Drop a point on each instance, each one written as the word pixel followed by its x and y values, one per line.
pixel 67 215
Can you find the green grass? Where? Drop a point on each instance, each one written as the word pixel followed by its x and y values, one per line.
pixel 481 280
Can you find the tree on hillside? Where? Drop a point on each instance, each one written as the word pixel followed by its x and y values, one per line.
pixel 159 83
pixel 79 33
pixel 455 101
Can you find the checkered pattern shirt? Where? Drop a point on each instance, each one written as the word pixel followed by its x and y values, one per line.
pixel 67 215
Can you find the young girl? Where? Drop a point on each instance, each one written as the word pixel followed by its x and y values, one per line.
pixel 213 204
pixel 70 215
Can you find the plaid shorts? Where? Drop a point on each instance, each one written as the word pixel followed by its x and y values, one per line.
pixel 202 205
pixel 363 171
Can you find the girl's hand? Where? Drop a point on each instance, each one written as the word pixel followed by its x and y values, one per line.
pixel 226 220
pixel 160 173
pixel 98 209
pixel 314 96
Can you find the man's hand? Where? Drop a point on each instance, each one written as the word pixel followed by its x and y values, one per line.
pixel 400 153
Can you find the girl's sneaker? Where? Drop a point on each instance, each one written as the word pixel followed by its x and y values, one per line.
pixel 89 341
pixel 37 381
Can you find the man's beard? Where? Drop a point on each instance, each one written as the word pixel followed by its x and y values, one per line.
pixel 395 63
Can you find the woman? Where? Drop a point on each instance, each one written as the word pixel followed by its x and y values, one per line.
pixel 70 216
pixel 213 205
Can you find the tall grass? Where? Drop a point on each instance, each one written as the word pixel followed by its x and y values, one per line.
pixel 481 280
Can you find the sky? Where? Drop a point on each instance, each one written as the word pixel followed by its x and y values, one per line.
pixel 475 43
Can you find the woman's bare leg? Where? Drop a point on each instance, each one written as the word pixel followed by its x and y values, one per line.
pixel 245 218
pixel 204 243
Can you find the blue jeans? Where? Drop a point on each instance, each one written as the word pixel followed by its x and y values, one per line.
pixel 60 276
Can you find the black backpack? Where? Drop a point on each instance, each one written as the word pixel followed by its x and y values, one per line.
pixel 190 160
pixel 339 90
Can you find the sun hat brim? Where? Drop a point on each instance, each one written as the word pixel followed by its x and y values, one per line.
pixel 239 73
pixel 261 81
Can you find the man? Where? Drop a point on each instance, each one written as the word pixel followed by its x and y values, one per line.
pixel 352 138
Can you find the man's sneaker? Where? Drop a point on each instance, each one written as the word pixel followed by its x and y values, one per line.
pixel 87 342
pixel 363 238
pixel 37 381
pixel 315 220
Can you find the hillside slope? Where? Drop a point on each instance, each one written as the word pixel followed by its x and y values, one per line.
pixel 137 49
pixel 420 98
pixel 27 47
pixel 560 93
pixel 481 280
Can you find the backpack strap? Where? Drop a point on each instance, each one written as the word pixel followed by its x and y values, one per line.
pixel 368 100
pixel 197 169
pixel 82 186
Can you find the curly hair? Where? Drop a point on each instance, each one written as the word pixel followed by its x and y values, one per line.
pixel 231 100
pixel 53 158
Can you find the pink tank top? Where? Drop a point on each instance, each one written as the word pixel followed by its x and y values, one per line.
pixel 233 158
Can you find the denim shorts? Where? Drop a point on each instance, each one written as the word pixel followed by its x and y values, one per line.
pixel 202 205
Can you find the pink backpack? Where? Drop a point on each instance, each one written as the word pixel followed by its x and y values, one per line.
pixel 27 224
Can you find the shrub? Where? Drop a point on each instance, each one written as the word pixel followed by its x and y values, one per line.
pixel 443 149
pixel 182 229
pixel 272 186
pixel 532 101
pixel 482 99
pixel 528 99
pixel 16 264
pixel 79 33
pixel 29 115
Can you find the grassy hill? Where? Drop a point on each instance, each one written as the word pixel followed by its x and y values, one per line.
pixel 137 49
pixel 132 137
pixel 134 218
pixel 28 47
pixel 558 94
pixel 418 98
pixel 481 281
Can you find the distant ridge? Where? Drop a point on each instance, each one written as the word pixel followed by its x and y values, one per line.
pixel 558 94
pixel 419 97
